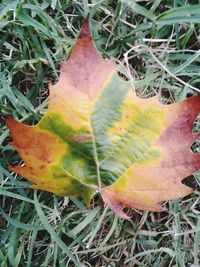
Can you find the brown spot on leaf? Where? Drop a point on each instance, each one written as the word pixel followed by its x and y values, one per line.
pixel 80 139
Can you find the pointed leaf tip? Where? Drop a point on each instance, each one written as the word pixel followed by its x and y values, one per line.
pixel 85 32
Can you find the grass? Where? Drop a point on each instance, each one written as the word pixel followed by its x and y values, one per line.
pixel 155 42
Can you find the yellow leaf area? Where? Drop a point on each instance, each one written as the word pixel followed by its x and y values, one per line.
pixel 154 146
pixel 99 136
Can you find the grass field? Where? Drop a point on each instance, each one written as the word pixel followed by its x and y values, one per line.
pixel 157 43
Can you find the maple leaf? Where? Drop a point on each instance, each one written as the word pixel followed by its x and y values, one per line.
pixel 98 136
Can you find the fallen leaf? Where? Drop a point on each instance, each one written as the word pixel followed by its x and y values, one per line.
pixel 98 136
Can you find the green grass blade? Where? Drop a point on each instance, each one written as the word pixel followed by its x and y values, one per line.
pixel 52 232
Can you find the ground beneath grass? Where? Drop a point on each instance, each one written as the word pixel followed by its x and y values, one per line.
pixel 155 43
